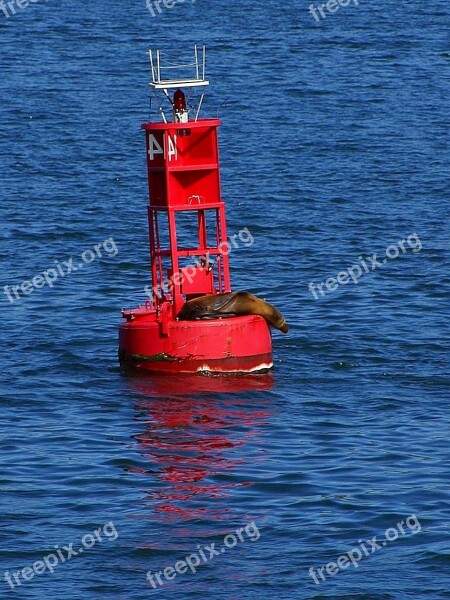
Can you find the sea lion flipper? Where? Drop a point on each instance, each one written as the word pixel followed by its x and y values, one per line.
pixel 273 316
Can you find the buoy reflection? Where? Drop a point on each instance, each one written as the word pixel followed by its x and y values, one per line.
pixel 195 443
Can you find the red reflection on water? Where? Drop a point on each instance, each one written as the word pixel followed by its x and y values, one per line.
pixel 183 385
pixel 195 443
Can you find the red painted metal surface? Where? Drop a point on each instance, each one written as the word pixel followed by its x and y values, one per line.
pixel 185 196
pixel 234 345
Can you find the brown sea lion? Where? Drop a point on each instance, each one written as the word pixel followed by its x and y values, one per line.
pixel 233 304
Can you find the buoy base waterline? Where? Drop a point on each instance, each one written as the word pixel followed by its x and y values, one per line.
pixel 150 342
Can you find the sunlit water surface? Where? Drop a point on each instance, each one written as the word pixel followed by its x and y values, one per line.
pixel 334 145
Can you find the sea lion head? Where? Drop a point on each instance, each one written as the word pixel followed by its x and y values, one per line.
pixel 193 309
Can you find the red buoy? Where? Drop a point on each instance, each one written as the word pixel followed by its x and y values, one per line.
pixel 188 250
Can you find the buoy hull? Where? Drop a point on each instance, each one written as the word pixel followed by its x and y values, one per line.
pixel 230 345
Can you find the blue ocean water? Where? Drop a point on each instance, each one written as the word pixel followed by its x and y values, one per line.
pixel 334 147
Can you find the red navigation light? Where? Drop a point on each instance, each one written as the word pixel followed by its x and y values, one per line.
pixel 179 100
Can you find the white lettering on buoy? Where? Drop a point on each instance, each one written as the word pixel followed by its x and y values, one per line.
pixel 155 148
pixel 172 143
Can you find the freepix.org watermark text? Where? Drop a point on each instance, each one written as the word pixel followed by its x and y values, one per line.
pixel 155 8
pixel 365 265
pixel 9 7
pixel 410 525
pixel 244 236
pixel 204 555
pixel 63 268
pixel 60 555
pixel 320 11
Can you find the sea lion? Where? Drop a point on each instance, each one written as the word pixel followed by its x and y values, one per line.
pixel 233 304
